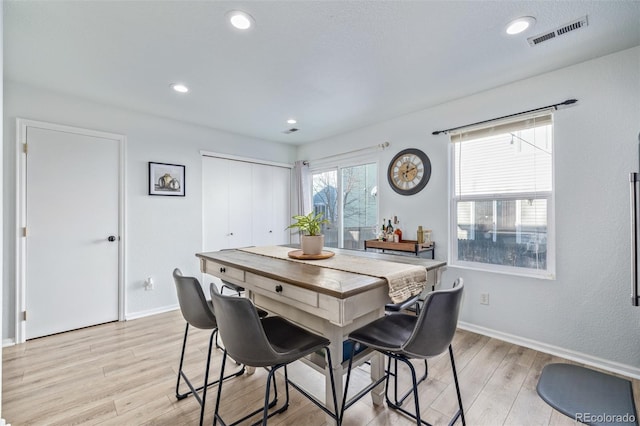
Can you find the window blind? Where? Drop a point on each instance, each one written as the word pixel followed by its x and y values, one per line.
pixel 505 158
pixel 497 127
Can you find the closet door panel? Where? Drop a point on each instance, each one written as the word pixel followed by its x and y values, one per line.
pixel 215 203
pixel 262 191
pixel 240 204
pixel 281 197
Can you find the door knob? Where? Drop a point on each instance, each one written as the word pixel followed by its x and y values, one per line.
pixel 111 238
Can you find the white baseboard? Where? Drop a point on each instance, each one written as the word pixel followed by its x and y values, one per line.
pixel 614 367
pixel 5 343
pixel 142 314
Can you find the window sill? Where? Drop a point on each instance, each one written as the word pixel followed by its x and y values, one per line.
pixel 504 270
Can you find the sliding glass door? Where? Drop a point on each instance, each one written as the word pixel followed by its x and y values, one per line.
pixel 348 198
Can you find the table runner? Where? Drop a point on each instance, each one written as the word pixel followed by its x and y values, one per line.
pixel 404 280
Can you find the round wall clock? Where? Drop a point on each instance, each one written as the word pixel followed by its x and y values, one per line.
pixel 409 171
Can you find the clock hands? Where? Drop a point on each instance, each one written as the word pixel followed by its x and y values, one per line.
pixel 408 171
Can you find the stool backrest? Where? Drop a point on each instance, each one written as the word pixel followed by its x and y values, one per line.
pixel 436 323
pixel 241 330
pixel 194 306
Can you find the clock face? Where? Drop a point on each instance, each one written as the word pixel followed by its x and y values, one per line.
pixel 409 171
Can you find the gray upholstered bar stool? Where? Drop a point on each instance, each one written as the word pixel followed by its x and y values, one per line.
pixel 412 304
pixel 404 337
pixel 271 342
pixel 197 312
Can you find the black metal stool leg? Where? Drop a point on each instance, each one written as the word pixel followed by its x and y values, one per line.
pixel 205 385
pixel 414 390
pixel 400 401
pixel 362 392
pixel 460 412
pixel 271 377
pixel 216 415
pixel 180 396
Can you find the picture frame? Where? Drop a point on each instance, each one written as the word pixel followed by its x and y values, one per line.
pixel 166 179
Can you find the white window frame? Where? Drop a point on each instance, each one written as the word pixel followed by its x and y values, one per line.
pixel 549 272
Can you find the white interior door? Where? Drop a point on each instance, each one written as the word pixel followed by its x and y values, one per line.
pixel 226 203
pixel 262 209
pixel 281 217
pixel 72 210
pixel 240 204
pixel 270 204
pixel 215 203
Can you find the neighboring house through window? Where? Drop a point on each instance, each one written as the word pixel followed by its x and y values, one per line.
pixel 347 195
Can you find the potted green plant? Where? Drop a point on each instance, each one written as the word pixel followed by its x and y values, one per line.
pixel 310 227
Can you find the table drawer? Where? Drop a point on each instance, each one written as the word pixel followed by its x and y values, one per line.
pixel 221 271
pixel 276 290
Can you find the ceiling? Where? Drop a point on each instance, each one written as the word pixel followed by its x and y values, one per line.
pixel 335 66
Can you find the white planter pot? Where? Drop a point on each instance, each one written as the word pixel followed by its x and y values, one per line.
pixel 312 244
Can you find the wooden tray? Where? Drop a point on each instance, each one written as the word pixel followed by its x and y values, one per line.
pixel 297 254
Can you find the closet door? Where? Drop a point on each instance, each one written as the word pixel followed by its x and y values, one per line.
pixel 271 199
pixel 215 203
pixel 281 202
pixel 244 204
pixel 240 204
pixel 261 190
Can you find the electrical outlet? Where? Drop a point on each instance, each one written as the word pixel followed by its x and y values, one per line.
pixel 484 298
pixel 148 284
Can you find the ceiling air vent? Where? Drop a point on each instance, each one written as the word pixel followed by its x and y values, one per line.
pixel 564 29
pixel 289 131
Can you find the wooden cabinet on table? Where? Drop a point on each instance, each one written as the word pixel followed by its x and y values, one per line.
pixel 244 203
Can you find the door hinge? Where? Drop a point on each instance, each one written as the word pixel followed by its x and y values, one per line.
pixel 24 149
pixel 24 315
pixel 24 231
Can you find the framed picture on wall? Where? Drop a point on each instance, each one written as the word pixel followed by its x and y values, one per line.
pixel 166 179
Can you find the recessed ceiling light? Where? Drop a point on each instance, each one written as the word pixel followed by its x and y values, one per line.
pixel 181 88
pixel 292 121
pixel 240 20
pixel 519 25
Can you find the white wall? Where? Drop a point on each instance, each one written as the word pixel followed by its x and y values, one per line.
pixel 162 232
pixel 586 312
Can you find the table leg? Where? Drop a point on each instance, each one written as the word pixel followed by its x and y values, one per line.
pixel 377 371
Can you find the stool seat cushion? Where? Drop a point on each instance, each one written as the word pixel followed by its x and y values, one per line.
pixel 289 341
pixel 587 396
pixel 388 333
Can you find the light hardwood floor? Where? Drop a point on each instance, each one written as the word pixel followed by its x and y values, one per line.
pixel 124 374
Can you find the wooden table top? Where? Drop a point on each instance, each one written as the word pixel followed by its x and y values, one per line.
pixel 335 283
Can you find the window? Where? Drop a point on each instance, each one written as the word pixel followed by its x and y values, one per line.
pixel 354 214
pixel 502 197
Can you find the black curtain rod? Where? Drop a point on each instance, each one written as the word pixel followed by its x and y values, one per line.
pixel 555 106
